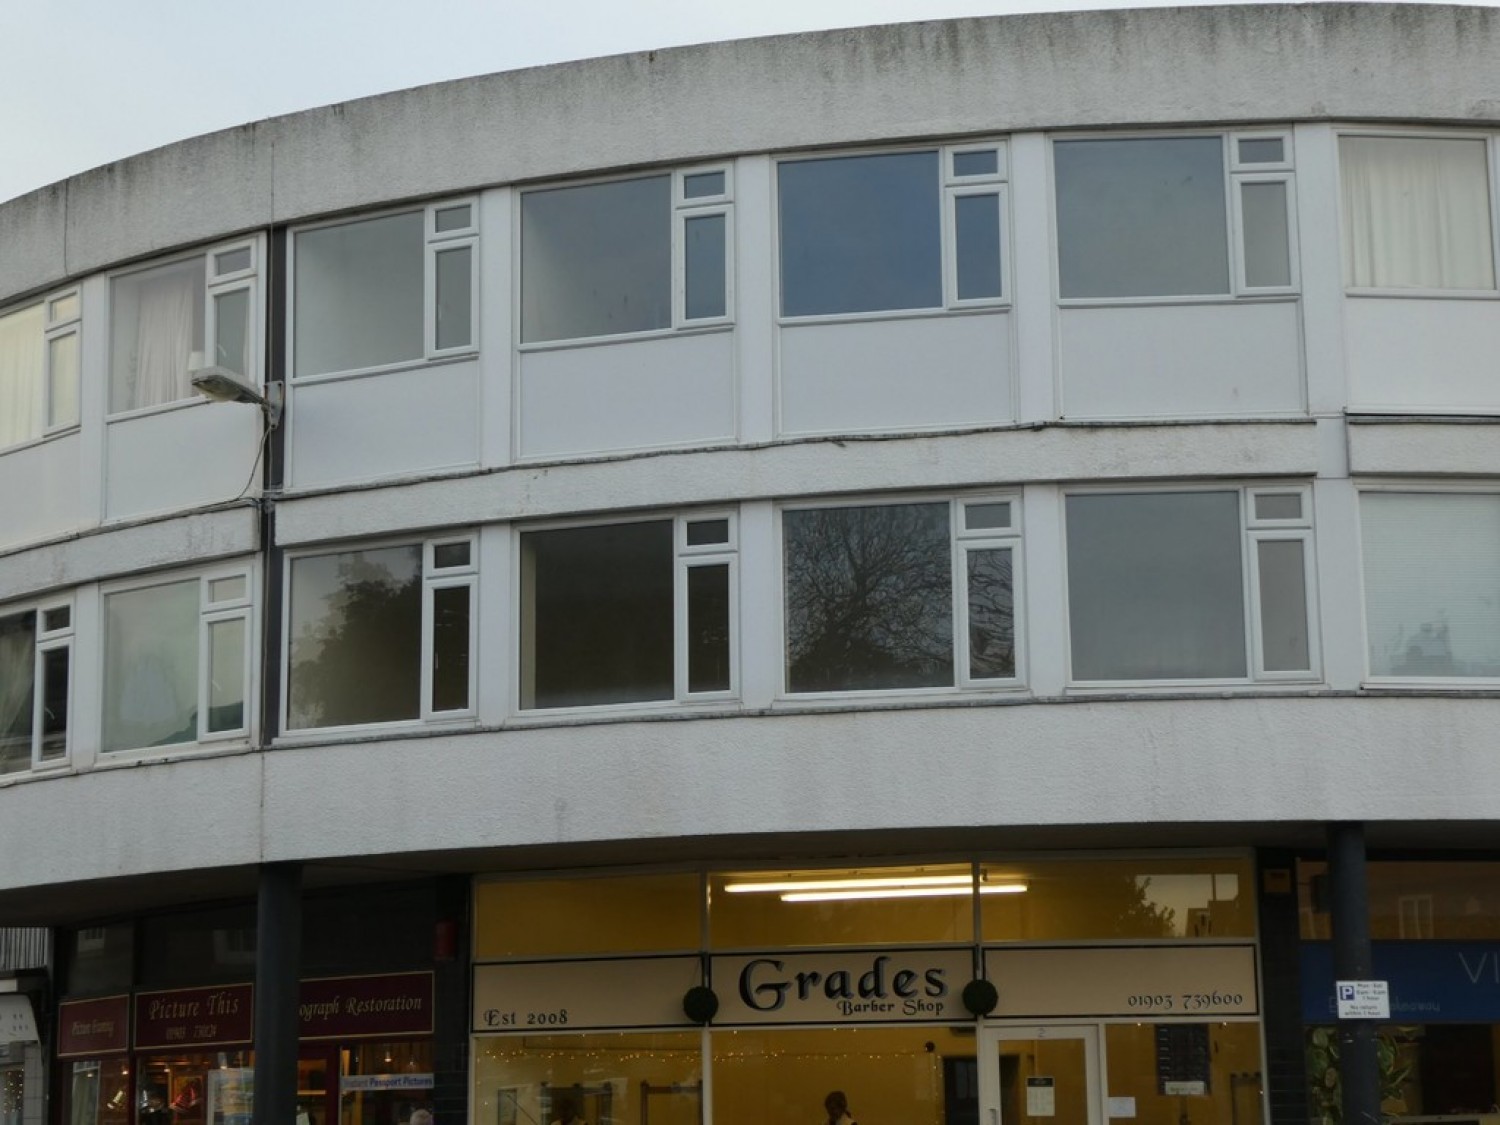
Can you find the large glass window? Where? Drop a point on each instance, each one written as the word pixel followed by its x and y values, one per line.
pixel 868 233
pixel 870 595
pixel 1198 585
pixel 36 649
pixel 640 255
pixel 1154 216
pixel 567 917
pixel 176 662
pixel 39 369
pixel 388 290
pixel 1432 569
pixel 382 634
pixel 1416 213
pixel 628 612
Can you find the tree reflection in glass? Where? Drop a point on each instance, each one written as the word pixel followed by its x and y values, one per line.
pixel 992 624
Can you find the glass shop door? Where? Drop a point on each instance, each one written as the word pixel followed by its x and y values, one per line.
pixel 1040 1075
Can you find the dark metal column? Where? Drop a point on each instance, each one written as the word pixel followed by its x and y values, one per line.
pixel 1349 915
pixel 278 956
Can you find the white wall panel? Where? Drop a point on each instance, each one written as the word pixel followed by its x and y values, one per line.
pixel 395 423
pixel 39 491
pixel 198 454
pixel 635 394
pixel 906 374
pixel 1181 361
pixel 1422 355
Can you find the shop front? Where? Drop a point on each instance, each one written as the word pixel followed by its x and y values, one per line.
pixel 1071 992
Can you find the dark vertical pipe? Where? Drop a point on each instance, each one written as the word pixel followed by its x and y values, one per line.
pixel 278 955
pixel 1349 914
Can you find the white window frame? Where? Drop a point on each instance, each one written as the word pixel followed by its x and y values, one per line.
pixel 211 613
pixel 46 640
pixel 1252 532
pixel 961 541
pixel 684 559
pixel 1236 174
pixel 58 325
pixel 433 579
pixel 701 206
pixel 1492 168
pixel 433 243
pixel 950 187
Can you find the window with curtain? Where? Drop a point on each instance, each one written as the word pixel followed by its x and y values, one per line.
pixel 156 334
pixel 22 367
pixel 1416 213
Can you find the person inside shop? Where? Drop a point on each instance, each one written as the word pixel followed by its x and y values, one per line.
pixel 420 1117
pixel 837 1106
pixel 567 1112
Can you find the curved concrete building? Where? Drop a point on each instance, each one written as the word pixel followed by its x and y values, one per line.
pixel 939 563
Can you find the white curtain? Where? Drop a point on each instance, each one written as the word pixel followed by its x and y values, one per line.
pixel 1416 213
pixel 21 360
pixel 164 339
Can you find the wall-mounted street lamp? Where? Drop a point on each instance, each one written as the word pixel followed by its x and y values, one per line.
pixel 219 384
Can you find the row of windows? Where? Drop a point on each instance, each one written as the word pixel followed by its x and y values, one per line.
pixel 1176 217
pixel 1202 585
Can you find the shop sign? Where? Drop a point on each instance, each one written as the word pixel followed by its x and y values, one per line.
pixel 621 993
pixel 1429 981
pixel 1184 982
pixel 855 986
pixel 17 1022
pixel 87 1028
pixel 194 1017
pixel 363 1083
pixel 397 1004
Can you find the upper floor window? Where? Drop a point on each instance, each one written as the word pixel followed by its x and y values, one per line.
pixel 168 321
pixel 39 368
pixel 891 231
pixel 382 634
pixel 1431 570
pixel 1416 212
pixel 1181 216
pixel 628 612
pixel 872 590
pixel 177 661
pixel 36 648
pixel 387 290
pixel 646 254
pixel 1211 584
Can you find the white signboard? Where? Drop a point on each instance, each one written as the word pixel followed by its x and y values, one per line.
pixel 1192 1089
pixel 17 1023
pixel 352 1082
pixel 1121 1107
pixel 854 986
pixel 1363 999
pixel 1041 1097
pixel 620 993
pixel 1192 982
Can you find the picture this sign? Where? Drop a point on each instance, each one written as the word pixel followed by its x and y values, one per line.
pixel 194 1017
pixel 615 994
pixel 87 1028
pixel 1156 982
pixel 856 986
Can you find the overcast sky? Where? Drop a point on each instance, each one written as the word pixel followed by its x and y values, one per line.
pixel 85 82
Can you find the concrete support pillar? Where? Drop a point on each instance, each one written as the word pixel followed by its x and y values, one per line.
pixel 278 957
pixel 1349 914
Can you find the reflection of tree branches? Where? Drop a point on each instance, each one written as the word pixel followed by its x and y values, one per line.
pixel 869 597
pixel 992 629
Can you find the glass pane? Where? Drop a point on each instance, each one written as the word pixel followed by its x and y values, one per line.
pixel 860 234
pixel 992 624
pixel 227 589
pixel 704 266
pixel 1219 1063
pixel 708 639
pixel 232 330
pixel 355 629
pixel 1261 150
pixel 151 666
pixel 841 906
pixel 62 381
pixel 976 220
pixel 1044 1080
pixel 449 555
pixel 1432 566
pixel 455 293
pixel 706 533
pixel 64 309
pixel 55 703
pixel 359 294
pixel 1278 506
pixel 985 162
pixel 1412 900
pixel 17 690
pixel 446 219
pixel 56 618
pixel 450 648
pixel 232 261
pixel 1084 900
pixel 986 517
pixel 1268 258
pixel 226 675
pixel 156 334
pixel 596 259
pixel 21 362
pixel 566 917
pixel 869 597
pixel 1156 586
pixel 703 185
pixel 1141 218
pixel 597 615
pixel 1283 605
pixel 1416 213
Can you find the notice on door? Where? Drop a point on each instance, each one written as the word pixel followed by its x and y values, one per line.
pixel 1041 1096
